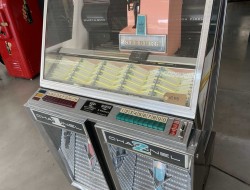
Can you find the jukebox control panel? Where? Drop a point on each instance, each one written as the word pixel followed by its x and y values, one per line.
pixel 176 129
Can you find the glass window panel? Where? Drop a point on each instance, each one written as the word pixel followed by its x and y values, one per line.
pixel 90 43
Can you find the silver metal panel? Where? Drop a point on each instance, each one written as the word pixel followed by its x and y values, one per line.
pixel 76 156
pixel 207 123
pixel 201 54
pixel 124 163
pixel 72 152
pixel 43 41
pixel 91 179
pixel 112 124
pixel 153 140
pixel 133 172
pixel 68 148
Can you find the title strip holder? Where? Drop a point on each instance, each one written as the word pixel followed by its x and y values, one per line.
pixel 150 43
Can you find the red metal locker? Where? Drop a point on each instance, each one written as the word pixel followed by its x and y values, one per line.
pixel 20 37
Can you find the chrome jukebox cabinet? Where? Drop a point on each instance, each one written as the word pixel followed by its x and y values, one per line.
pixel 128 90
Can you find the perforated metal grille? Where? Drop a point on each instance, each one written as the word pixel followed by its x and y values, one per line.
pixel 179 179
pixel 83 173
pixel 124 163
pixel 74 148
pixel 134 173
pixel 68 148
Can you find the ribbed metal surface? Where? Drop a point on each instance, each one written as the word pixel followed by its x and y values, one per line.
pixel 17 67
pixel 54 133
pixel 134 173
pixel 124 163
pixel 92 179
pixel 179 178
pixel 68 148
pixel 74 147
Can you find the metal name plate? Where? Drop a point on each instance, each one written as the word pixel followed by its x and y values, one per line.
pixel 97 108
pixel 146 149
pixel 151 43
pixel 58 122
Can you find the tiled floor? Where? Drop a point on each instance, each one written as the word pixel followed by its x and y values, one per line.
pixel 27 164
pixel 232 114
pixel 25 161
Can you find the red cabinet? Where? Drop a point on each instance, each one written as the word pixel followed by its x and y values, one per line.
pixel 20 37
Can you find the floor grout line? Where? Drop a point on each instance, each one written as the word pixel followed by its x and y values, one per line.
pixel 230 175
pixel 234 91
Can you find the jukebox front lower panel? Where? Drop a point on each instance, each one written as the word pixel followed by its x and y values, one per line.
pixel 138 172
pixel 132 157
pixel 78 156
pixel 139 165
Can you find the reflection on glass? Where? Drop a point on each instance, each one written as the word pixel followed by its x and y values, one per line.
pixel 159 174
pixel 88 44
pixel 122 77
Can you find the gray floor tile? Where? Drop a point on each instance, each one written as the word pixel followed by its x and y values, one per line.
pixel 235 64
pixel 234 74
pixel 235 43
pixel 232 114
pixel 234 10
pixel 220 181
pixel 4 79
pixel 232 155
pixel 26 162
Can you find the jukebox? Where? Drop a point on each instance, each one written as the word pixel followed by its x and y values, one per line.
pixel 128 90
